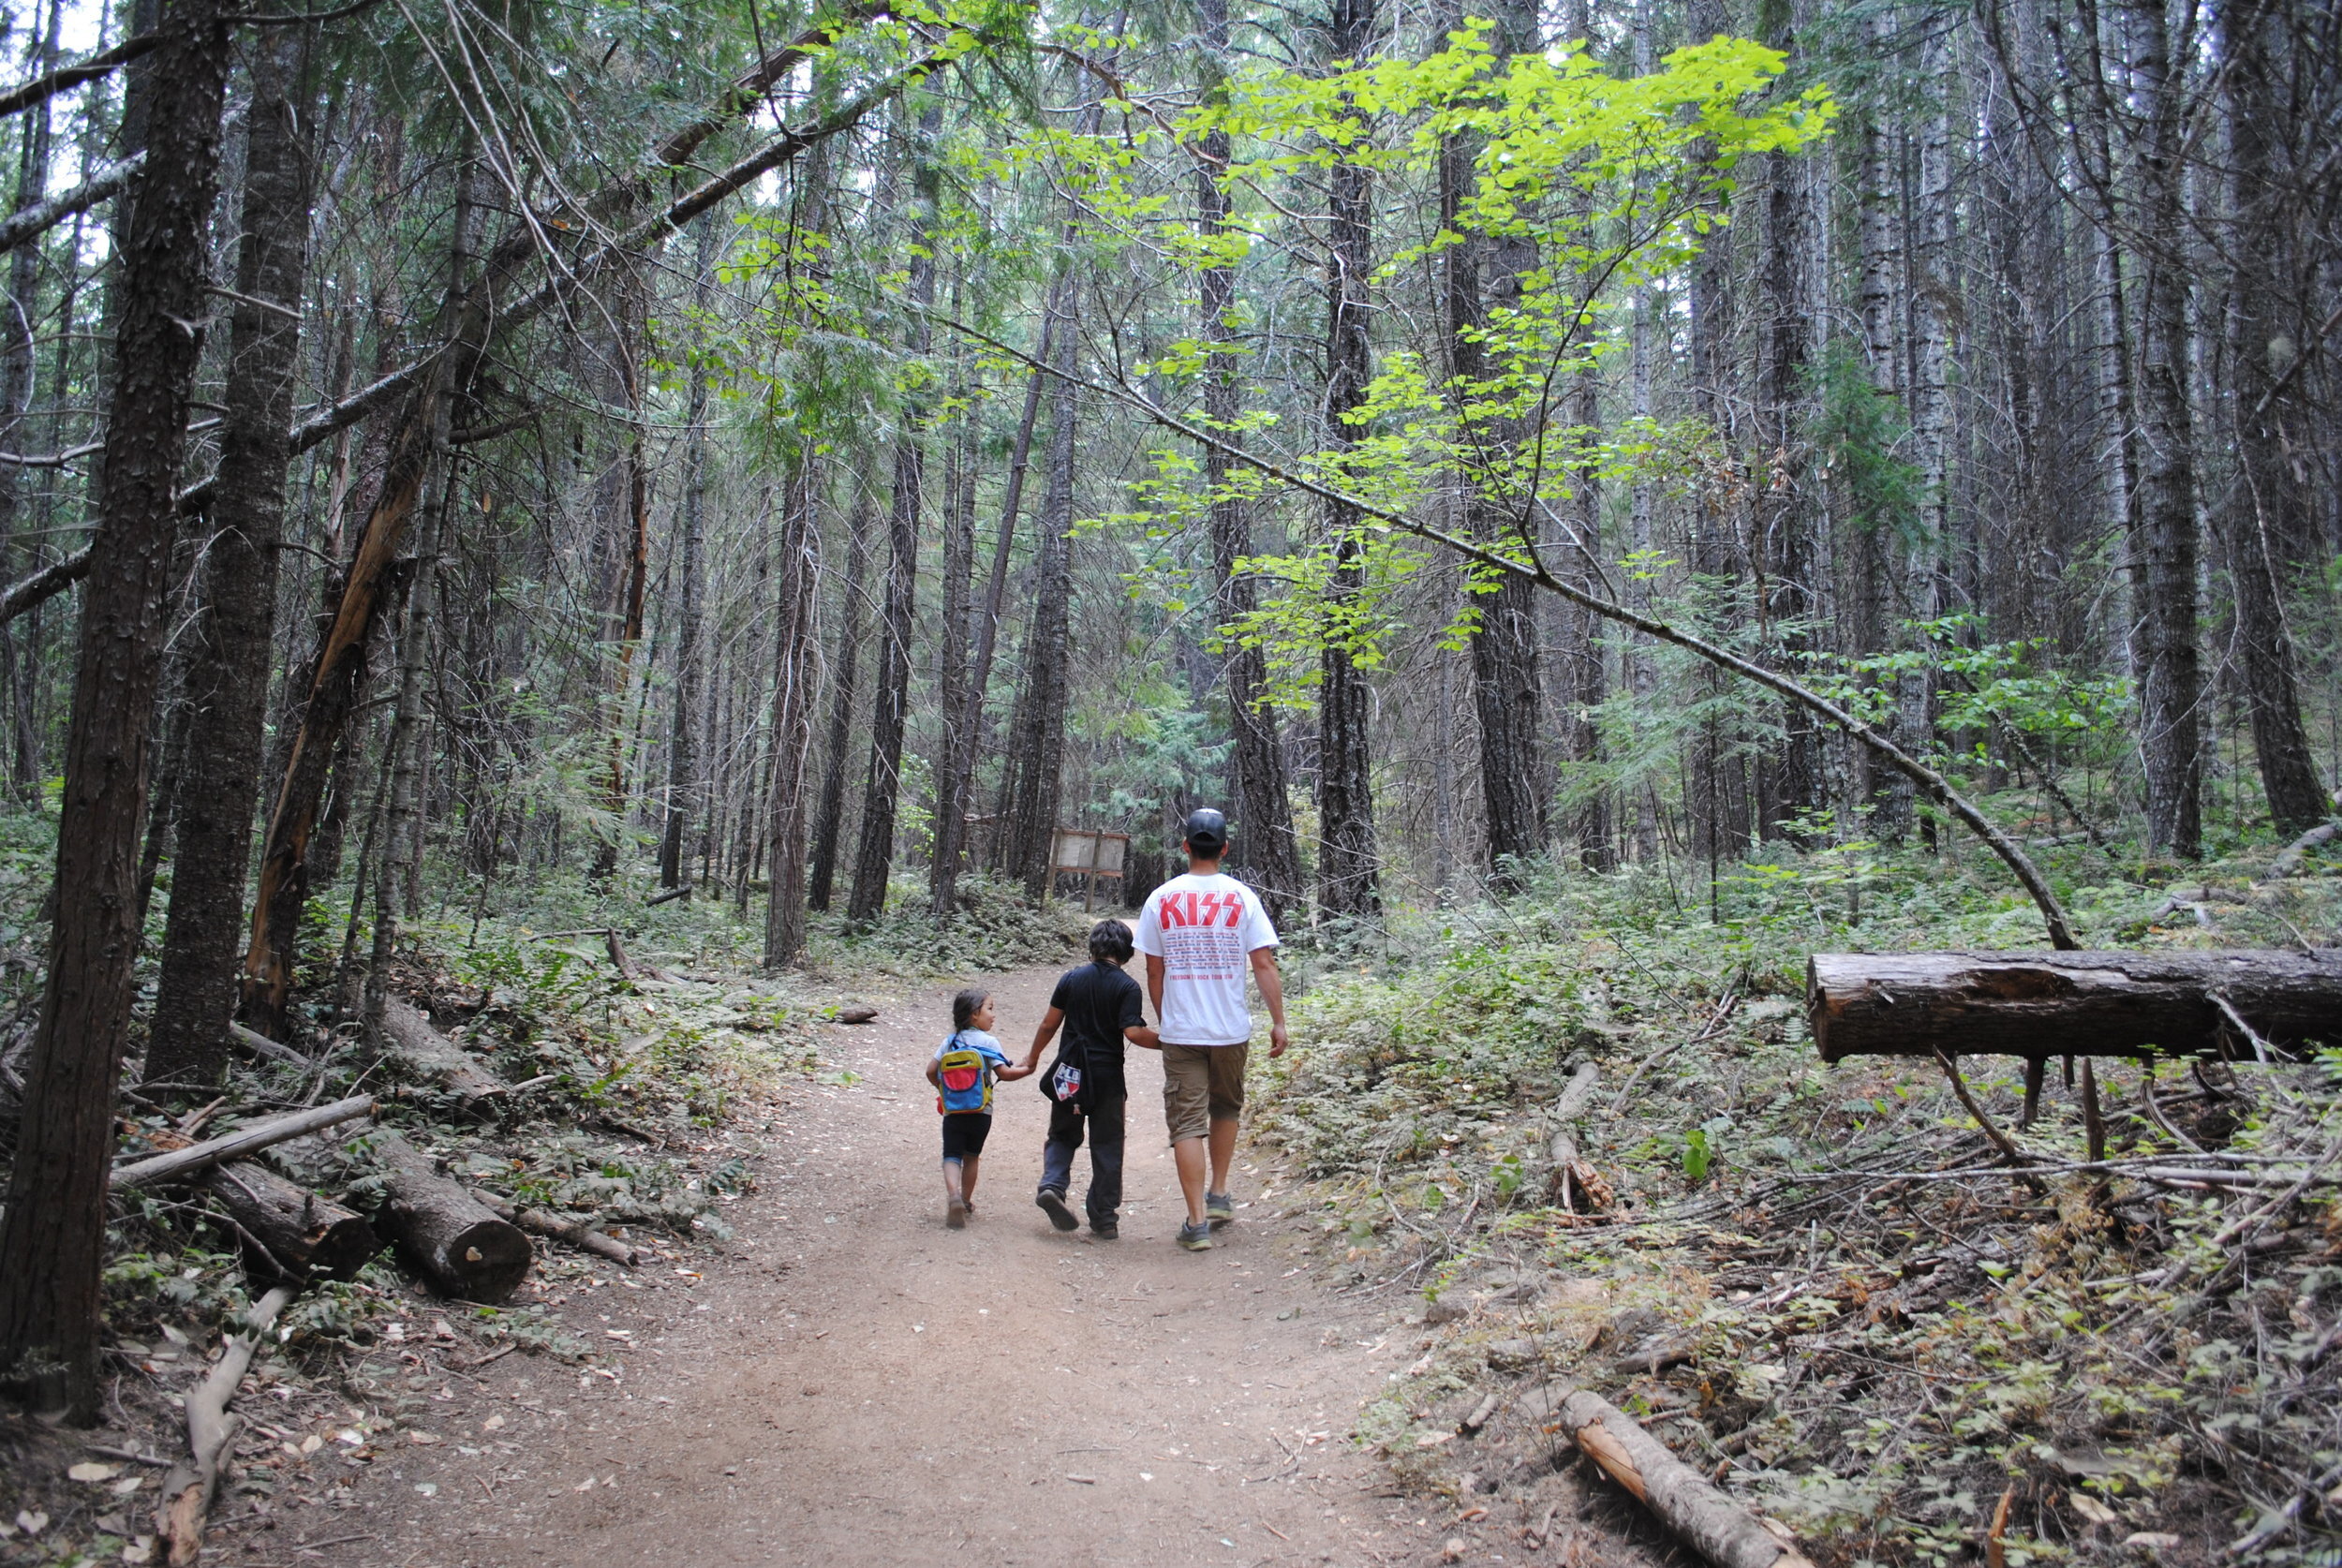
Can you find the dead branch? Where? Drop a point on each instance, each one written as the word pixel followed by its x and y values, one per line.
pixel 180 1163
pixel 1701 1516
pixel 187 1489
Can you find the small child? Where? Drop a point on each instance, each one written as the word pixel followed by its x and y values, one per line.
pixel 963 1071
pixel 1098 1007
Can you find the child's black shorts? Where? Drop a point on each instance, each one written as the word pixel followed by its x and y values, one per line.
pixel 964 1134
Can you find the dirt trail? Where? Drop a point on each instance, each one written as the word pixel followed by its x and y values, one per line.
pixel 854 1383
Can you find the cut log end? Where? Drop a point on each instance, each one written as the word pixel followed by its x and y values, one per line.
pixel 460 1246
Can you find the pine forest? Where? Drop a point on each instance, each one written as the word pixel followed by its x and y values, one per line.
pixel 1758 584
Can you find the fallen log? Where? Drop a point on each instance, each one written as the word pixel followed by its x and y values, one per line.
pixel 1575 1181
pixel 187 1489
pixel 427 1052
pixel 180 1163
pixel 297 1233
pixel 2289 859
pixel 2045 1004
pixel 579 1234
pixel 458 1244
pixel 1697 1514
pixel 261 1045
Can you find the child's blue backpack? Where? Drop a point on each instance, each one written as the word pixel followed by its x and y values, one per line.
pixel 967 1085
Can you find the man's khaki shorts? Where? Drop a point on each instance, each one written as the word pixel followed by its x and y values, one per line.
pixel 1201 1085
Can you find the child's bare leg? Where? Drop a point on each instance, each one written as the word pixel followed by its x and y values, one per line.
pixel 967 1179
pixel 955 1180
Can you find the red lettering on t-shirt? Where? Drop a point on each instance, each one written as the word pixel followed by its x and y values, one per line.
pixel 1168 910
pixel 1210 907
pixel 1191 910
pixel 1236 910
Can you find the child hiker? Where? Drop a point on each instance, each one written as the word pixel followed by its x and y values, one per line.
pixel 963 1071
pixel 1098 1006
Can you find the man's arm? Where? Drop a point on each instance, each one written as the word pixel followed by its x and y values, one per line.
pixel 1272 991
pixel 1154 982
pixel 1042 1036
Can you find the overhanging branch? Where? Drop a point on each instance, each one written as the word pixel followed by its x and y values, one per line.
pixel 1934 784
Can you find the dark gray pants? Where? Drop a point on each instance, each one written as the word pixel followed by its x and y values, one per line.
pixel 1104 1130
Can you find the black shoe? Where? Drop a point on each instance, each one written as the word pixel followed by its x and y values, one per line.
pixel 1110 1230
pixel 1053 1202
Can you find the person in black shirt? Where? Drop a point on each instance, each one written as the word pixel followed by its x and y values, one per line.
pixel 1098 1007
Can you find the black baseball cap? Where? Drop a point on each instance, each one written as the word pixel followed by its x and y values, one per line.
pixel 1206 831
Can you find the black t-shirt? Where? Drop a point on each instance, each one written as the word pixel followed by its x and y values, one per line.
pixel 1099 1002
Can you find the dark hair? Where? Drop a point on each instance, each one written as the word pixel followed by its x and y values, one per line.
pixel 1110 942
pixel 965 1004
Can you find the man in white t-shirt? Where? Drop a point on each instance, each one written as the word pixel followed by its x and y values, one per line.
pixel 1201 933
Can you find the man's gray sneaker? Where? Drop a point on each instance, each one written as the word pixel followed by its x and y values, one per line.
pixel 1196 1238
pixel 1218 1209
pixel 1053 1202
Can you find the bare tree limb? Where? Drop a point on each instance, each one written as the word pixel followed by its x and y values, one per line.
pixel 1933 784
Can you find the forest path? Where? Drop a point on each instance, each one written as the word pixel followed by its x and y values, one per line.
pixel 855 1384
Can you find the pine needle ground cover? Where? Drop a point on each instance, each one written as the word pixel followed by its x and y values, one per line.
pixel 1815 1283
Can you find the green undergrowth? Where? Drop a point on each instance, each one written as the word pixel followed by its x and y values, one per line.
pixel 1875 1360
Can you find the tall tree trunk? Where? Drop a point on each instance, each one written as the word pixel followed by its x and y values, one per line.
pixel 952 657
pixel 795 628
pixel 843 669
pixel 404 758
pixel 16 389
pixel 234 634
pixel 2270 529
pixel 1037 745
pixel 874 852
pixel 1349 875
pixel 1783 522
pixel 988 621
pixel 1263 850
pixel 1887 792
pixel 52 1237
pixel 634 586
pixel 683 762
pixel 2171 748
pixel 1508 686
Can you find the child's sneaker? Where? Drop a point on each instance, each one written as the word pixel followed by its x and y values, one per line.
pixel 1218 1209
pixel 1110 1230
pixel 1052 1203
pixel 1196 1237
pixel 956 1214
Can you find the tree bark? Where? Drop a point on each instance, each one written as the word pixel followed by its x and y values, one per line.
pixel 951 676
pixel 53 1239
pixel 1263 850
pixel 227 674
pixel 16 380
pixel 874 853
pixel 2171 741
pixel 2269 525
pixel 1349 878
pixel 844 668
pixel 1037 747
pixel 683 764
pixel 2045 1004
pixel 795 628
pixel 1507 685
